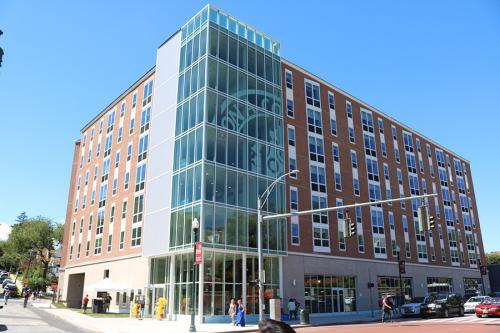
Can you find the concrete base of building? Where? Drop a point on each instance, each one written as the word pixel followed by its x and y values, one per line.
pixel 296 267
pixel 76 281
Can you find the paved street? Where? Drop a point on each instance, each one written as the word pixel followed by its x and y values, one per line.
pixel 469 324
pixel 16 319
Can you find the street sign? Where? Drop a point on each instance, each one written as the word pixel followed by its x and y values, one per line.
pixel 53 286
pixel 483 269
pixel 402 269
pixel 198 256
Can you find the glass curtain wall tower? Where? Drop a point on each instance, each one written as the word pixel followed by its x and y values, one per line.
pixel 228 149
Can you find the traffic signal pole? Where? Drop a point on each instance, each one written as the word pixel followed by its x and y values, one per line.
pixel 330 209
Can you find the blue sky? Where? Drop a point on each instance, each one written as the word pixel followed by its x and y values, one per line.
pixel 433 65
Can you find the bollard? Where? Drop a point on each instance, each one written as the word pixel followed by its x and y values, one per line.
pixel 304 317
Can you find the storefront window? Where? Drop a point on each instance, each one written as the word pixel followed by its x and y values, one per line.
pixel 472 287
pixel 389 285
pixel 327 293
pixel 439 285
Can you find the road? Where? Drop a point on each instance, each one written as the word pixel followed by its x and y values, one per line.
pixel 16 319
pixel 468 324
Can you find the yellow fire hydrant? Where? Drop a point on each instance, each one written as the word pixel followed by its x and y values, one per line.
pixel 135 310
pixel 161 304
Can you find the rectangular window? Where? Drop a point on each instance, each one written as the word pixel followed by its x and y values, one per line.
pixel 312 94
pixel 289 79
pixel 105 169
pixel 367 121
pixel 338 181
pixel 136 236
pixel 355 185
pixel 122 239
pixel 124 209
pixel 132 124
pixel 129 152
pixel 102 195
pixel 314 123
pixel 110 242
pixel 112 214
pixel 148 91
pixel 336 154
pixel 316 152
pixel 108 144
pixel 140 177
pixel 138 208
pixel 291 136
pixel 369 142
pixel 292 165
pixel 122 109
pixel 145 119
pixel 98 246
pixel 115 185
pixel 87 249
pixel 111 122
pixel 318 180
pixel 354 159
pixel 117 159
pixel 359 224
pixel 351 135
pixel 372 169
pixel 127 180
pixel 289 108
pixel 143 148
pixel 348 109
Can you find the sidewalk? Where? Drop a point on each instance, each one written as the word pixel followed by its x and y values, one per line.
pixel 127 325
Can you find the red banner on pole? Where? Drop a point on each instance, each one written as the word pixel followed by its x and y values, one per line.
pixel 402 269
pixel 198 253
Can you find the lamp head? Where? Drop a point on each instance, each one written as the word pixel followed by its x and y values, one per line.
pixel 195 225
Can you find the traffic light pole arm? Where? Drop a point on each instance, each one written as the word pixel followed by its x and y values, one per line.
pixel 329 209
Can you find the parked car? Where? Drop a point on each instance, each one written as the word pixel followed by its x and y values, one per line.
pixel 471 303
pixel 413 307
pixel 490 307
pixel 443 305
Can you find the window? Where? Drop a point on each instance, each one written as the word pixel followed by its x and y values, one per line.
pixel 111 122
pixel 359 224
pixel 374 192
pixel 92 134
pixel 89 156
pixel 336 156
pixel 92 198
pixel 98 246
pixel 348 109
pixel 136 235
pixel 134 100
pixel 138 208
pixel 129 151
pixel 86 177
pixel 292 165
pixel 316 152
pixel 145 119
pixel 294 199
pixel 122 239
pixel 87 249
pixel 367 121
pixel 108 144
pixel 100 222
pixel 372 169
pixel 289 79
pixel 295 230
pixel 126 180
pixel 115 185
pixel 143 148
pixel 140 177
pixel 102 195
pixel 318 182
pixel 289 108
pixel 341 227
pixel 333 118
pixel 351 135
pixel 124 209
pixel 411 163
pixel 148 91
pixel 101 125
pixel 414 185
pixel 338 181
pixel 408 140
pixel 440 159
pixel 370 148
pixel 91 217
pixel 120 134
pixel 312 94
pixel 355 185
pixel 354 159
pixel 117 159
pixel 122 109
pixel 105 169
pixel 396 154
pixel 132 124
pixel 110 242
pixel 314 124
pixel 291 136
pixel 381 126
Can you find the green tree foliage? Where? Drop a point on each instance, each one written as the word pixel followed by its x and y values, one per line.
pixel 493 258
pixel 31 242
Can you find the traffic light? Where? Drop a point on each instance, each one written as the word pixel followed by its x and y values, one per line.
pixel 350 227
pixel 422 218
pixel 432 223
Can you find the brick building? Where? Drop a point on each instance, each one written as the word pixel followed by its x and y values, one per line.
pixel 218 119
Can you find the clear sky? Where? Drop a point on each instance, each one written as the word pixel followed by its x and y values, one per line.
pixel 433 65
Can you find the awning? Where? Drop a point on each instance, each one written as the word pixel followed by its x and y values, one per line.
pixel 106 285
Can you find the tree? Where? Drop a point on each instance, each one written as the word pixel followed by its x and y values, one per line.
pixel 21 217
pixel 493 258
pixel 38 234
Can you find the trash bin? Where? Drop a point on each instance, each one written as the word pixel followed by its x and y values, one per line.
pixel 97 306
pixel 304 317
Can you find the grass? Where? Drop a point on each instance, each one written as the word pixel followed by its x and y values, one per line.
pixel 93 315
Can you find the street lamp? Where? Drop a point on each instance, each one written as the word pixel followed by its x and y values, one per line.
pixel 261 201
pixel 483 289
pixel 195 225
pixel 400 302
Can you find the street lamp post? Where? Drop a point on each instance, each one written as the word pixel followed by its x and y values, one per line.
pixel 195 225
pixel 261 201
pixel 400 302
pixel 483 289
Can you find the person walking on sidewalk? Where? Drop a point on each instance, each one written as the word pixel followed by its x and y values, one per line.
pixel 387 306
pixel 85 303
pixel 232 311
pixel 26 296
pixel 292 309
pixel 240 317
pixel 6 294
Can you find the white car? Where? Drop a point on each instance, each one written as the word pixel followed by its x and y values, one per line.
pixel 470 305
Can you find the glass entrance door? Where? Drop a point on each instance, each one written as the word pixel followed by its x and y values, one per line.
pixel 157 293
pixel 338 299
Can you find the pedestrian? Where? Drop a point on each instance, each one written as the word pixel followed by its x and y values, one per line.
pixel 274 326
pixel 292 309
pixel 142 303
pixel 85 303
pixel 387 306
pixel 232 311
pixel 6 294
pixel 26 295
pixel 107 302
pixel 240 316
